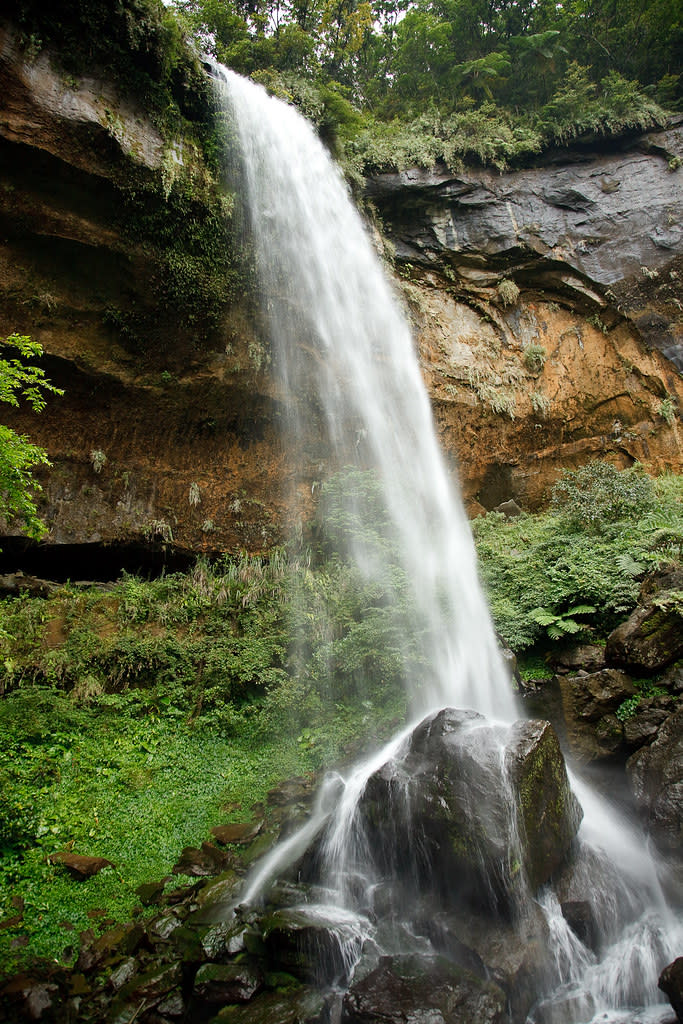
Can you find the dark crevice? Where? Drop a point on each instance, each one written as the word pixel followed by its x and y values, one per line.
pixel 101 563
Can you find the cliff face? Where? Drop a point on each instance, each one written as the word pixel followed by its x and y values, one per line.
pixel 547 307
pixel 152 344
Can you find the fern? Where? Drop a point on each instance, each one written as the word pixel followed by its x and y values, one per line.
pixel 629 565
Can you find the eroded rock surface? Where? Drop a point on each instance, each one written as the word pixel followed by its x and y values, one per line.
pixel 652 637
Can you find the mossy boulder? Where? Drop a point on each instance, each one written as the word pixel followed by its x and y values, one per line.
pixel 548 813
pixel 471 809
pixel 652 637
pixel 655 774
pixel 589 702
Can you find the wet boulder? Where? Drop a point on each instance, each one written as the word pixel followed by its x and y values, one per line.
pixel 671 984
pixel 405 990
pixel 589 702
pixel 655 775
pixel 514 956
pixel 301 1005
pixel 443 814
pixel 315 944
pixel 548 813
pixel 652 637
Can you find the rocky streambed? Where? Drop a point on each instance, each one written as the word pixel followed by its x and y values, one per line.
pixel 475 861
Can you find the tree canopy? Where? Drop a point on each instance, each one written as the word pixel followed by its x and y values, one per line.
pixel 392 54
pixel 397 80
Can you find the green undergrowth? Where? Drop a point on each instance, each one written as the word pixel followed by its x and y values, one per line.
pixel 105 782
pixel 136 716
pixel 574 572
pixel 133 716
pixel 113 779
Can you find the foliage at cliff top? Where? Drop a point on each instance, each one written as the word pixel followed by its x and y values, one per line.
pixel 21 381
pixel 391 83
pixel 395 82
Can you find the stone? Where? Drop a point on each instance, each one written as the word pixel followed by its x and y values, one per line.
pixel 510 509
pixel 291 791
pixel 671 984
pixel 589 703
pixel 652 636
pixel 157 981
pixel 208 860
pixel 655 775
pixel 407 990
pixel 549 813
pixel 514 956
pixel 442 812
pixel 151 892
pixel 123 973
pixel 218 984
pixel 642 727
pixel 240 833
pixel 78 865
pixel 121 941
pixel 299 1006
pixel 173 1005
pixel 580 917
pixel 313 947
pixel 581 657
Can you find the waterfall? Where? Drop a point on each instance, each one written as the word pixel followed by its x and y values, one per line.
pixel 350 384
pixel 346 364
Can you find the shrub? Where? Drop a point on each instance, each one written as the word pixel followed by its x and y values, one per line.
pixel 598 494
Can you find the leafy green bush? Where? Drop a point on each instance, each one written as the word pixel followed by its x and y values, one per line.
pixel 542 571
pixel 21 381
pixel 599 494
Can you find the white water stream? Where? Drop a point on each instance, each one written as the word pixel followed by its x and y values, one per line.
pixel 348 372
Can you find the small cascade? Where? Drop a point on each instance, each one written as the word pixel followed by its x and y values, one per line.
pixel 464 816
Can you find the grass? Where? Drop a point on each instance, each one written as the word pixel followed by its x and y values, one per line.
pixel 106 783
pixel 134 716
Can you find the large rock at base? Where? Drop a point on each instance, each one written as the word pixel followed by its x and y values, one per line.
pixel 300 1006
pixel 589 703
pixel 514 956
pixel 656 777
pixel 671 984
pixel 408 990
pixel 549 814
pixel 315 944
pixel 652 637
pixel 441 816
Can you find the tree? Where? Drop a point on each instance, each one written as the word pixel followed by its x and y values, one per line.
pixel 18 456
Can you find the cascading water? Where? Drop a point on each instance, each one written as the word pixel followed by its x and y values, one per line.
pixel 351 385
